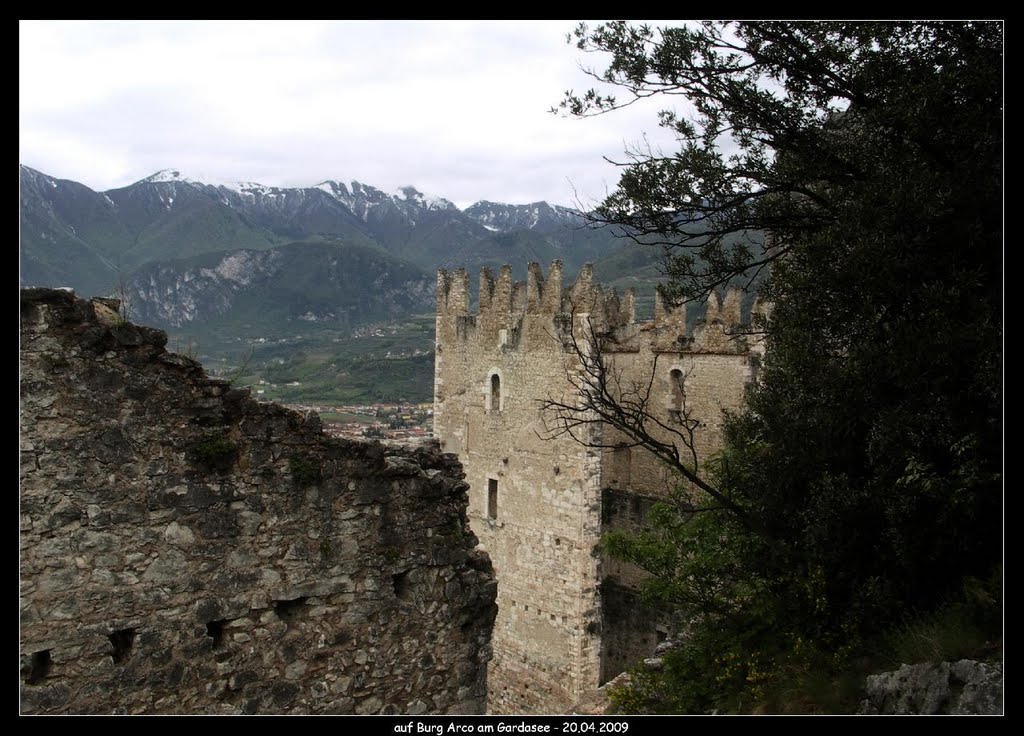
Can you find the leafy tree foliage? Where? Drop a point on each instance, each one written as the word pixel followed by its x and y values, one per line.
pixel 870 454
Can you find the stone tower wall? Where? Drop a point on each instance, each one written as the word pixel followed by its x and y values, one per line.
pixel 546 523
pixel 555 639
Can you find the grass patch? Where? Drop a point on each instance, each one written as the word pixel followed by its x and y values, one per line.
pixel 392 555
pixel 967 627
pixel 215 453
pixel 306 471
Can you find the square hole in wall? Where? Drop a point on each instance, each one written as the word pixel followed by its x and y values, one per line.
pixel 37 667
pixel 121 641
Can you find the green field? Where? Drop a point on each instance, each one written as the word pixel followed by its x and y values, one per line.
pixel 344 417
pixel 386 362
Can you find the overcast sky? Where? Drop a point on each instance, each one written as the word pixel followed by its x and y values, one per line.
pixel 457 109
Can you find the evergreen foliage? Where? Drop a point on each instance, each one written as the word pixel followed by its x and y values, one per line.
pixel 869 459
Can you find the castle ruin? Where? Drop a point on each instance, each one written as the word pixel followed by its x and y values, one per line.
pixel 539 501
pixel 188 549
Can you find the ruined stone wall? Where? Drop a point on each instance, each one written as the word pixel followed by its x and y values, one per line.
pixel 186 549
pixel 556 637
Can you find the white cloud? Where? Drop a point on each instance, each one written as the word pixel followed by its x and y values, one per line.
pixel 456 108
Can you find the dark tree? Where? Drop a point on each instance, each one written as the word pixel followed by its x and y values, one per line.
pixel 871 156
pixel 783 124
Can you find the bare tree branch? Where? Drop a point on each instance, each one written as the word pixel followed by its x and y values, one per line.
pixel 602 398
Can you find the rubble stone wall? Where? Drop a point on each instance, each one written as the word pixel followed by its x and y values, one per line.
pixel 187 549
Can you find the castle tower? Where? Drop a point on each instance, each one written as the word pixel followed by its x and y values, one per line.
pixel 539 499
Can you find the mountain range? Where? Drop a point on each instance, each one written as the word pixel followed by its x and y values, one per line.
pixel 151 236
pixel 328 290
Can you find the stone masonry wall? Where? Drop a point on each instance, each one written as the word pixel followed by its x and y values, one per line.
pixel 186 549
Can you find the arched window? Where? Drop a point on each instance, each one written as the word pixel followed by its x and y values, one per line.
pixel 495 392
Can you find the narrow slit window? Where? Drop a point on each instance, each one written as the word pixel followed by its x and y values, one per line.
pixel 621 466
pixel 675 384
pixel 492 498
pixel 495 392
pixel 675 381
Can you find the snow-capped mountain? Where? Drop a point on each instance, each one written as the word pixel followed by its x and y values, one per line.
pixel 503 218
pixel 74 236
pixel 360 199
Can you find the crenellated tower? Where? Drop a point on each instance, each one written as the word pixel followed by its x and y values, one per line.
pixel 568 620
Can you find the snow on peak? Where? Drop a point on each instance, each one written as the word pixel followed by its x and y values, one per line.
pixel 246 187
pixel 360 198
pixel 170 175
pixel 414 196
pixel 176 176
pixel 336 188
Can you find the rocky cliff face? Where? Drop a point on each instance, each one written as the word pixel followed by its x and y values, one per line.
pixel 344 287
pixel 186 549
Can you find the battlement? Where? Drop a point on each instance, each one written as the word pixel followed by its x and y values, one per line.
pixel 505 304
